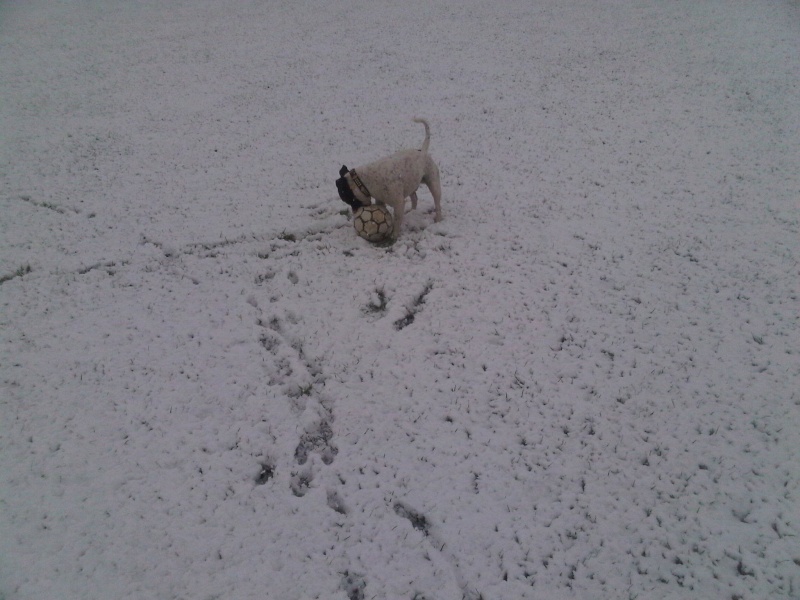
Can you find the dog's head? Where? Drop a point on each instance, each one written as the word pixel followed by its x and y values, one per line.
pixel 345 191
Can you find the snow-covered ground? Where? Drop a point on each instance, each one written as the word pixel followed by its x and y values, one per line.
pixel 583 383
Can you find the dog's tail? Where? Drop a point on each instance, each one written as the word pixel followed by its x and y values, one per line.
pixel 427 141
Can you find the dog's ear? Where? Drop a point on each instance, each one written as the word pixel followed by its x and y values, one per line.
pixel 346 194
pixel 343 171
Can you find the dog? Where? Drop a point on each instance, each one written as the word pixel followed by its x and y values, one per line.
pixel 392 179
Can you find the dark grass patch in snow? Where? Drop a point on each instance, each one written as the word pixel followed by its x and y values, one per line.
pixel 353 585
pixel 316 440
pixel 335 503
pixel 47 205
pixel 378 303
pixel 301 482
pixel 417 519
pixel 266 473
pixel 415 307
pixel 20 272
pixel 404 322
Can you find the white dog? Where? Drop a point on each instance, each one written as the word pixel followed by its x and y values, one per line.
pixel 392 179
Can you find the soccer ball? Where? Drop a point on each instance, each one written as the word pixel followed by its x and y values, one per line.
pixel 373 223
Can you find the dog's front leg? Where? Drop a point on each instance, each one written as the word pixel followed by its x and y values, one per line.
pixel 399 213
pixel 414 201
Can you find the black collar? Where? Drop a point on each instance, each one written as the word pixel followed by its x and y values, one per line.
pixel 357 180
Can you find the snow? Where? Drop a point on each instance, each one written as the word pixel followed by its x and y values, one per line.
pixel 582 383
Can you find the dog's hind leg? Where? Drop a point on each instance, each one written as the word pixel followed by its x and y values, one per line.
pixel 431 179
